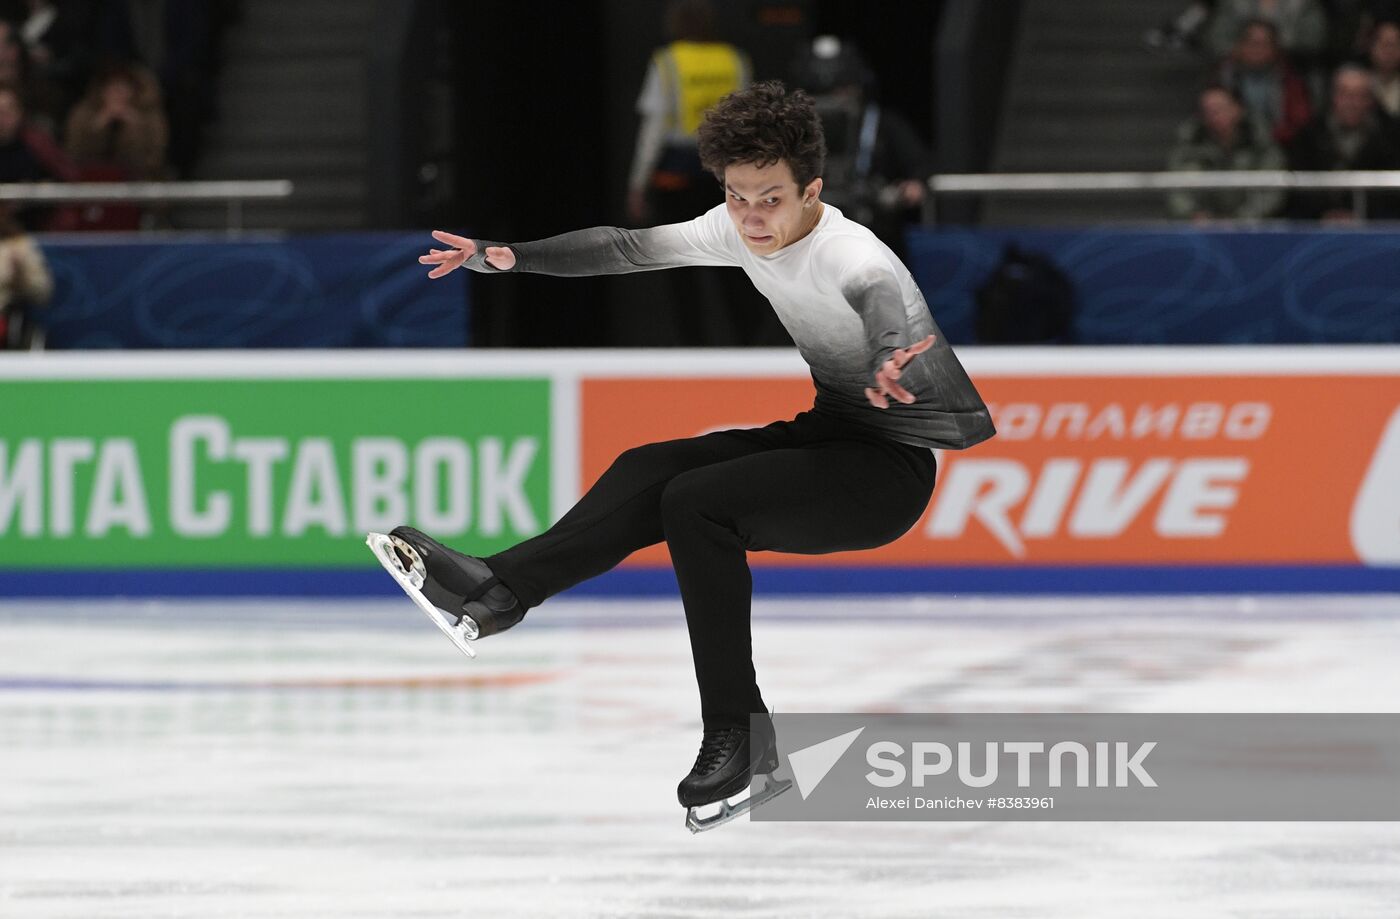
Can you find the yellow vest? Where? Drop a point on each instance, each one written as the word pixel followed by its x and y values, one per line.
pixel 696 75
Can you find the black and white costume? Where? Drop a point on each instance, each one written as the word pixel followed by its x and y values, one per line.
pixel 844 475
pixel 843 296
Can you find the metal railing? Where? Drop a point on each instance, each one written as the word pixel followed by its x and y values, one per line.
pixel 1358 182
pixel 232 194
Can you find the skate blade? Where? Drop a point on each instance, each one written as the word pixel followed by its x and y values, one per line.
pixel 699 819
pixel 411 580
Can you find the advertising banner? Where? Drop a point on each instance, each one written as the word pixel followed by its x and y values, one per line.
pixel 1102 469
pixel 264 473
pixel 1113 470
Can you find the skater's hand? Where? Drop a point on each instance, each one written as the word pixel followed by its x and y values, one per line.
pixel 885 386
pixel 449 260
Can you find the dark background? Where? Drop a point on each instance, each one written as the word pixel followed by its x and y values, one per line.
pixel 544 105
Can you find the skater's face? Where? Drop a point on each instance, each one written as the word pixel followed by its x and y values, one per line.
pixel 768 208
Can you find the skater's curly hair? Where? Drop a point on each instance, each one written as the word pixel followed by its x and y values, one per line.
pixel 762 125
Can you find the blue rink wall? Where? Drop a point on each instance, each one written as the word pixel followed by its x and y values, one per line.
pixel 1184 285
pixel 353 290
pixel 817 582
pixel 365 290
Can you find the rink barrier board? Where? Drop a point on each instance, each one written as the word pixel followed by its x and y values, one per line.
pixel 777 580
pixel 601 402
pixel 124 292
pixel 1158 285
pixel 1133 286
pixel 1180 284
pixel 267 472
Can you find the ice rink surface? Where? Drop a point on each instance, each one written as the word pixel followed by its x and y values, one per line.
pixel 300 759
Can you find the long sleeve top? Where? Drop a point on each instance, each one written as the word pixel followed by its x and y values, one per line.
pixel 845 298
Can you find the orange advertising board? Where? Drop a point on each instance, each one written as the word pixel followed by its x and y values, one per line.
pixel 1096 469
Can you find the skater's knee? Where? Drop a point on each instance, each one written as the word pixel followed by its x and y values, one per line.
pixel 685 494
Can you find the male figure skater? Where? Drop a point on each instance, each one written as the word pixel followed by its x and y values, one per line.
pixel 854 472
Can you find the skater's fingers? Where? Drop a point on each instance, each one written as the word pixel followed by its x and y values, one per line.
pixel 453 240
pixel 898 392
pixel 919 347
pixel 895 391
pixel 458 242
pixel 887 384
pixel 452 258
pixel 902 356
pixel 876 398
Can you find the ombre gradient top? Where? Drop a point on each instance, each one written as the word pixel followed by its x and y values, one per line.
pixel 844 297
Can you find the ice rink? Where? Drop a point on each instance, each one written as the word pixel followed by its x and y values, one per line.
pixel 307 759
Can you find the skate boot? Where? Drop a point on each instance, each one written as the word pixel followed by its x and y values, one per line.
pixel 728 762
pixel 458 592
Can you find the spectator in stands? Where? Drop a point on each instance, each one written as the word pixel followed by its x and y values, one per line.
pixel 17 70
pixel 1302 25
pixel 28 153
pixel 118 131
pixel 684 79
pixel 14 62
pixel 1385 69
pixel 57 38
pixel 1350 135
pixel 1272 91
pixel 1352 25
pixel 1221 137
pixel 667 183
pixel 25 282
pixel 66 41
pixel 876 164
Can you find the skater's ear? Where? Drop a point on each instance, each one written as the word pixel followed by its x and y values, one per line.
pixel 812 192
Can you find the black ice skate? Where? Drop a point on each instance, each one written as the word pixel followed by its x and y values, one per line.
pixel 725 768
pixel 458 592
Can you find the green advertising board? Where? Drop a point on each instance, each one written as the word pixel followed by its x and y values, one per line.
pixel 265 473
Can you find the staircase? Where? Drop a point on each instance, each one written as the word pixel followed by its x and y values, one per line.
pixel 1085 95
pixel 292 105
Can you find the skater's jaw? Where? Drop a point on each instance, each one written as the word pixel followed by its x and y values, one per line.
pixel 767 207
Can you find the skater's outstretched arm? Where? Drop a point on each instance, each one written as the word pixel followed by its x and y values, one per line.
pixel 876 298
pixel 597 250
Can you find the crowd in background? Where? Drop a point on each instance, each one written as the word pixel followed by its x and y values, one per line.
pixel 94 91
pixel 1306 85
pixel 874 172
pixel 104 90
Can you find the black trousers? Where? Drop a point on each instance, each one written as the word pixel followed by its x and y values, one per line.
pixel 810 486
